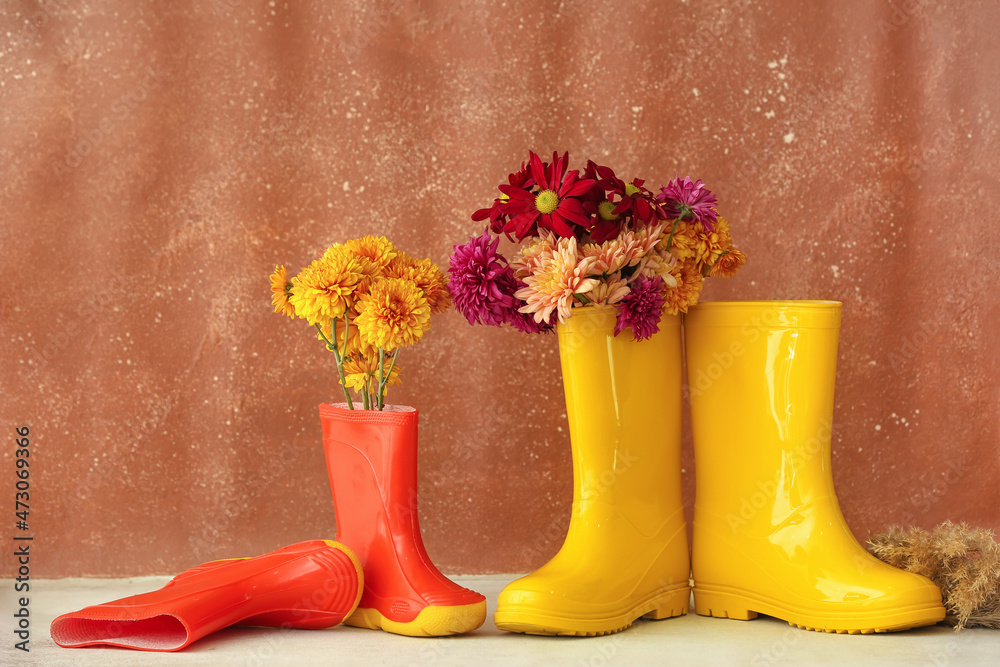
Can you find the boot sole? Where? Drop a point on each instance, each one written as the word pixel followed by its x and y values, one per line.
pixel 532 621
pixel 725 602
pixel 430 622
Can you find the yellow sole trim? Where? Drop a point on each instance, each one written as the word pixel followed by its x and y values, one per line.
pixel 533 621
pixel 745 606
pixel 357 568
pixel 430 622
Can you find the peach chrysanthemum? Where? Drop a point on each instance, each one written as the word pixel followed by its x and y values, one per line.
pixel 727 265
pixel 560 274
pixel 687 290
pixel 427 277
pixel 528 260
pixel 393 314
pixel 281 292
pixel 324 289
pixel 626 249
pixel 658 263
pixel 609 291
pixel 361 372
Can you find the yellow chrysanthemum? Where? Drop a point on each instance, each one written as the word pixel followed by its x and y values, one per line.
pixel 692 241
pixel 375 249
pixel 685 294
pixel 323 290
pixel 366 255
pixel 727 265
pixel 373 254
pixel 281 292
pixel 393 314
pixel 427 276
pixel 361 372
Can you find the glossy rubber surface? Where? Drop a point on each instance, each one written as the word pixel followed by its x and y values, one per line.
pixel 372 460
pixel 314 584
pixel 769 536
pixel 625 554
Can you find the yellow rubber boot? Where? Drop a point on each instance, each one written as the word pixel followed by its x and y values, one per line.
pixel 769 537
pixel 625 554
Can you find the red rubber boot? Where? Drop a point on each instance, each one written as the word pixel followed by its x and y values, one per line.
pixel 312 585
pixel 372 460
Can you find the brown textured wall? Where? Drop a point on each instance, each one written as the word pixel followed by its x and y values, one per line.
pixel 159 158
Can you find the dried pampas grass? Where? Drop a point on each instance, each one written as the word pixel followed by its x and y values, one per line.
pixel 963 561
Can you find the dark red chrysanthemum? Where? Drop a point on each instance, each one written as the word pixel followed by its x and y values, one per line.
pixel 687 199
pixel 519 179
pixel 553 206
pixel 641 309
pixel 635 201
pixel 605 224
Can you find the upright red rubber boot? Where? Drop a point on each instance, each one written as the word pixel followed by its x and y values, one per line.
pixel 314 584
pixel 372 460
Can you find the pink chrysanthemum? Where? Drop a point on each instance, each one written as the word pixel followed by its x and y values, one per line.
pixel 687 199
pixel 641 309
pixel 481 281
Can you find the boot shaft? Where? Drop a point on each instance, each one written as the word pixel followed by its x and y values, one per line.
pixel 761 379
pixel 372 462
pixel 623 403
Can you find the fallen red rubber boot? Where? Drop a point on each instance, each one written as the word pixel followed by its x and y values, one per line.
pixel 372 460
pixel 312 585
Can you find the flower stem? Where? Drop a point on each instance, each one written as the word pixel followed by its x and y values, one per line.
pixel 381 382
pixel 347 332
pixel 704 271
pixel 385 382
pixel 672 230
pixel 332 346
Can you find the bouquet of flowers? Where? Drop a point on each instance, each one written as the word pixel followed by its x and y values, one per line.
pixel 590 240
pixel 367 300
